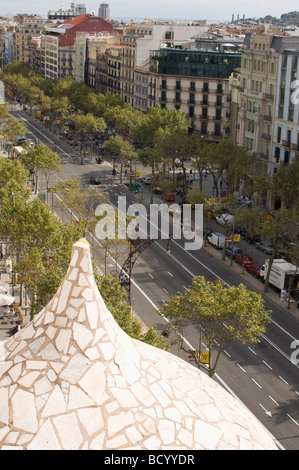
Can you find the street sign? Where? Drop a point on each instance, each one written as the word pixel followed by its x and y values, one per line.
pixel 205 357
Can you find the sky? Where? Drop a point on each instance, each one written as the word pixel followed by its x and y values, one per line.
pixel 215 10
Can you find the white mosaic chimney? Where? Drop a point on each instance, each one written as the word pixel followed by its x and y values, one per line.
pixel 72 379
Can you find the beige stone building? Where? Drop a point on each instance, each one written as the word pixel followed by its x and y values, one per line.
pixel 267 119
pixel 22 38
pixel 257 95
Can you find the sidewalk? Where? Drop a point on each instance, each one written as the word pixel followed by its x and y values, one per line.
pixel 7 323
pixel 255 283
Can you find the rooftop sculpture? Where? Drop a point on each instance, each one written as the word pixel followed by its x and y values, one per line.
pixel 72 379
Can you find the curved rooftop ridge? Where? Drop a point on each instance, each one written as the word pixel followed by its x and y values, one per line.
pixel 72 379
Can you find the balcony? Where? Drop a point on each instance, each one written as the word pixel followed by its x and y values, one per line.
pixel 269 96
pixel 268 118
pixel 266 137
pixel 286 143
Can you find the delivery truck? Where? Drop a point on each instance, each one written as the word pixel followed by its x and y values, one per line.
pixel 281 274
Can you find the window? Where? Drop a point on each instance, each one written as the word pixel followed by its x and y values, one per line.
pixel 277 154
pixel 204 128
pixel 272 68
pixel 217 129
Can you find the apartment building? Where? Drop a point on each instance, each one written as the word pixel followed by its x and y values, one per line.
pixel 257 94
pixel 58 46
pixel 140 39
pixel 49 55
pixel 23 35
pixel 267 122
pixel 195 81
pixel 63 14
pixel 285 144
pixel 114 67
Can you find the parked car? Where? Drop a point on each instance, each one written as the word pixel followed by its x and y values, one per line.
pixel 69 136
pixel 239 231
pixel 146 180
pixel 254 269
pixel 213 213
pixel 225 219
pixel 22 140
pixel 169 197
pixel 265 247
pixel 252 238
pixel 282 255
pixel 95 180
pixel 295 294
pixel 244 259
pixel 233 251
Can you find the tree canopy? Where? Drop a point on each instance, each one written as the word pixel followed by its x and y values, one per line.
pixel 221 313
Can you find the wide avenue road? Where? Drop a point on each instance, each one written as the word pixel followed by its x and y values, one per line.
pixel 262 376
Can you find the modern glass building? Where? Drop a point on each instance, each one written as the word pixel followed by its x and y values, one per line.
pixel 196 81
pixel 209 58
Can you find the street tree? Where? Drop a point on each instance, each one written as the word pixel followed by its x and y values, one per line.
pixel 81 203
pixel 159 133
pixel 116 300
pixel 12 129
pixel 86 125
pixel 275 228
pixel 221 313
pixel 40 159
pixel 122 149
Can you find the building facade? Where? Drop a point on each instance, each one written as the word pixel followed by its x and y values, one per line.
pixel 285 144
pixel 195 81
pixel 267 118
pixel 60 56
pixel 22 38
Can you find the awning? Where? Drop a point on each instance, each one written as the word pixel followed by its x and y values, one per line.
pixel 6 300
pixel 4 289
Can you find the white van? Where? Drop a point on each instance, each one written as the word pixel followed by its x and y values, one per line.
pixel 216 239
